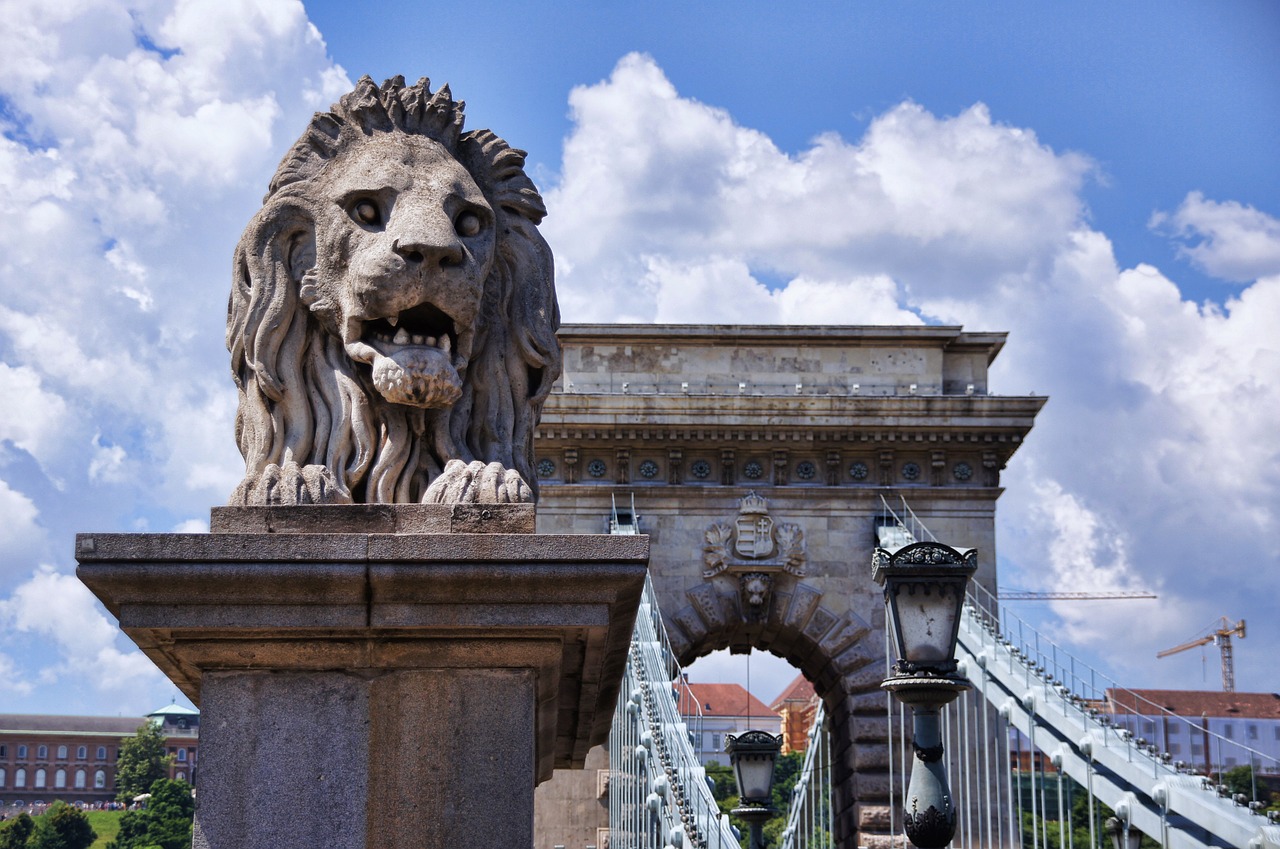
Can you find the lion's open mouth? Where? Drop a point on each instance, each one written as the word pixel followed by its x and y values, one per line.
pixel 424 326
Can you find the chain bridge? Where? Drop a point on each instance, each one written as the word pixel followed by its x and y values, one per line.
pixel 758 461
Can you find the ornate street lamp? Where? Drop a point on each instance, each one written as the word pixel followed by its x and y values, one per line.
pixel 752 754
pixel 924 586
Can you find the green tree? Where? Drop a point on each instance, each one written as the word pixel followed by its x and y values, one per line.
pixel 14 832
pixel 1240 779
pixel 164 824
pixel 61 827
pixel 142 762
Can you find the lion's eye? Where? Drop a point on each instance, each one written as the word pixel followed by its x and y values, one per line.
pixel 467 224
pixel 367 211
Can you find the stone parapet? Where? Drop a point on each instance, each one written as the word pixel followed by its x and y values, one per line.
pixel 369 678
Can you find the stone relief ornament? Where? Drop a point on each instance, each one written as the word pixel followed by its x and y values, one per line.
pixel 754 543
pixel 393 315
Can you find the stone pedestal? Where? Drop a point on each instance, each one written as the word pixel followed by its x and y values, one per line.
pixel 380 689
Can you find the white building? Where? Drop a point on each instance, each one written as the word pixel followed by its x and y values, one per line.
pixel 714 710
pixel 1210 731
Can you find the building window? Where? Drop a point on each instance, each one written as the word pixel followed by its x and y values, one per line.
pixel 82 753
pixel 40 775
pixel 22 752
pixel 1229 731
pixel 3 777
pixel 1251 731
pixel 102 753
pixel 60 779
pixel 1148 727
pixel 80 779
pixel 716 742
pixel 1175 748
pixel 182 756
pixel 99 780
pixel 182 776
pixel 20 779
pixel 4 751
pixel 62 753
pixel 42 753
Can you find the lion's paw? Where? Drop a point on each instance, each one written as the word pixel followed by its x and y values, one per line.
pixel 289 484
pixel 463 483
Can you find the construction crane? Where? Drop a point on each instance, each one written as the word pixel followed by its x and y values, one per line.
pixel 1221 637
pixel 1028 595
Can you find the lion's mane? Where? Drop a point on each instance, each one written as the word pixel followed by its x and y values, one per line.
pixel 302 399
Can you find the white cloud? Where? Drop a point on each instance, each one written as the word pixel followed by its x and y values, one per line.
pixel 59 608
pixel 1227 239
pixel 107 465
pixel 654 182
pixel 18 514
pixel 31 418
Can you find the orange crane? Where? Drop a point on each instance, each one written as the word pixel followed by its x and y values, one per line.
pixel 1221 637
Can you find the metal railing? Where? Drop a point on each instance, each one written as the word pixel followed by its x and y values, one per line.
pixel 809 817
pixel 1059 708
pixel 659 795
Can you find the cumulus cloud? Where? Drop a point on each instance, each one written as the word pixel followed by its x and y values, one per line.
pixel 1158 444
pixel 659 192
pixel 1226 239
pixel 60 609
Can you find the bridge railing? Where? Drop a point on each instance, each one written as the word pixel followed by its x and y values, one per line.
pixel 659 796
pixel 1058 705
pixel 809 823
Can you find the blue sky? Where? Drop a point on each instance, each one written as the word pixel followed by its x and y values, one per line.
pixel 1097 179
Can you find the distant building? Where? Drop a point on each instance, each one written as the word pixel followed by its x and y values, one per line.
pixel 796 706
pixel 1209 730
pixel 714 710
pixel 73 758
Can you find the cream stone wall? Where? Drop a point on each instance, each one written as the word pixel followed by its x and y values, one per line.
pixel 827 424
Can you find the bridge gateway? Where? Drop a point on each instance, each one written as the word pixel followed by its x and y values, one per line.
pixel 757 458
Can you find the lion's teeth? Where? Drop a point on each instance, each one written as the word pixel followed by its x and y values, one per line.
pixel 445 344
pixel 401 338
pixel 427 340
pixel 419 340
pixel 393 320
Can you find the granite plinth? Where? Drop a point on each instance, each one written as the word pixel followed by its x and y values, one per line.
pixel 391 685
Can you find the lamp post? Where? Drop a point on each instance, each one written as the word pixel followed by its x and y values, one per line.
pixel 752 754
pixel 924 586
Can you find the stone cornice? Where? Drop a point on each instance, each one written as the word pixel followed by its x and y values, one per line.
pixel 763 335
pixel 908 419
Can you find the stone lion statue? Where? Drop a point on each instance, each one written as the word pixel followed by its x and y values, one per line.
pixel 393 315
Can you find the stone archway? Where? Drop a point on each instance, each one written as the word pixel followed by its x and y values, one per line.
pixel 759 596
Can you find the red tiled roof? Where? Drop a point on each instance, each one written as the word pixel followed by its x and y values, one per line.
pixel 1195 703
pixel 799 690
pixel 722 700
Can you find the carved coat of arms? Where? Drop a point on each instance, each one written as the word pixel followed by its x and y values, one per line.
pixel 754 542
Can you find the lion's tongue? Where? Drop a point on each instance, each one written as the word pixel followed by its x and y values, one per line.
pixel 417 376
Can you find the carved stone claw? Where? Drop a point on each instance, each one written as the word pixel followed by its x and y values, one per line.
pixel 290 484
pixel 478 483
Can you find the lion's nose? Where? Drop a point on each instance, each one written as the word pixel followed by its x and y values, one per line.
pixel 443 253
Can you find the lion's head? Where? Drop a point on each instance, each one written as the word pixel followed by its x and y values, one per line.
pixel 392 307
